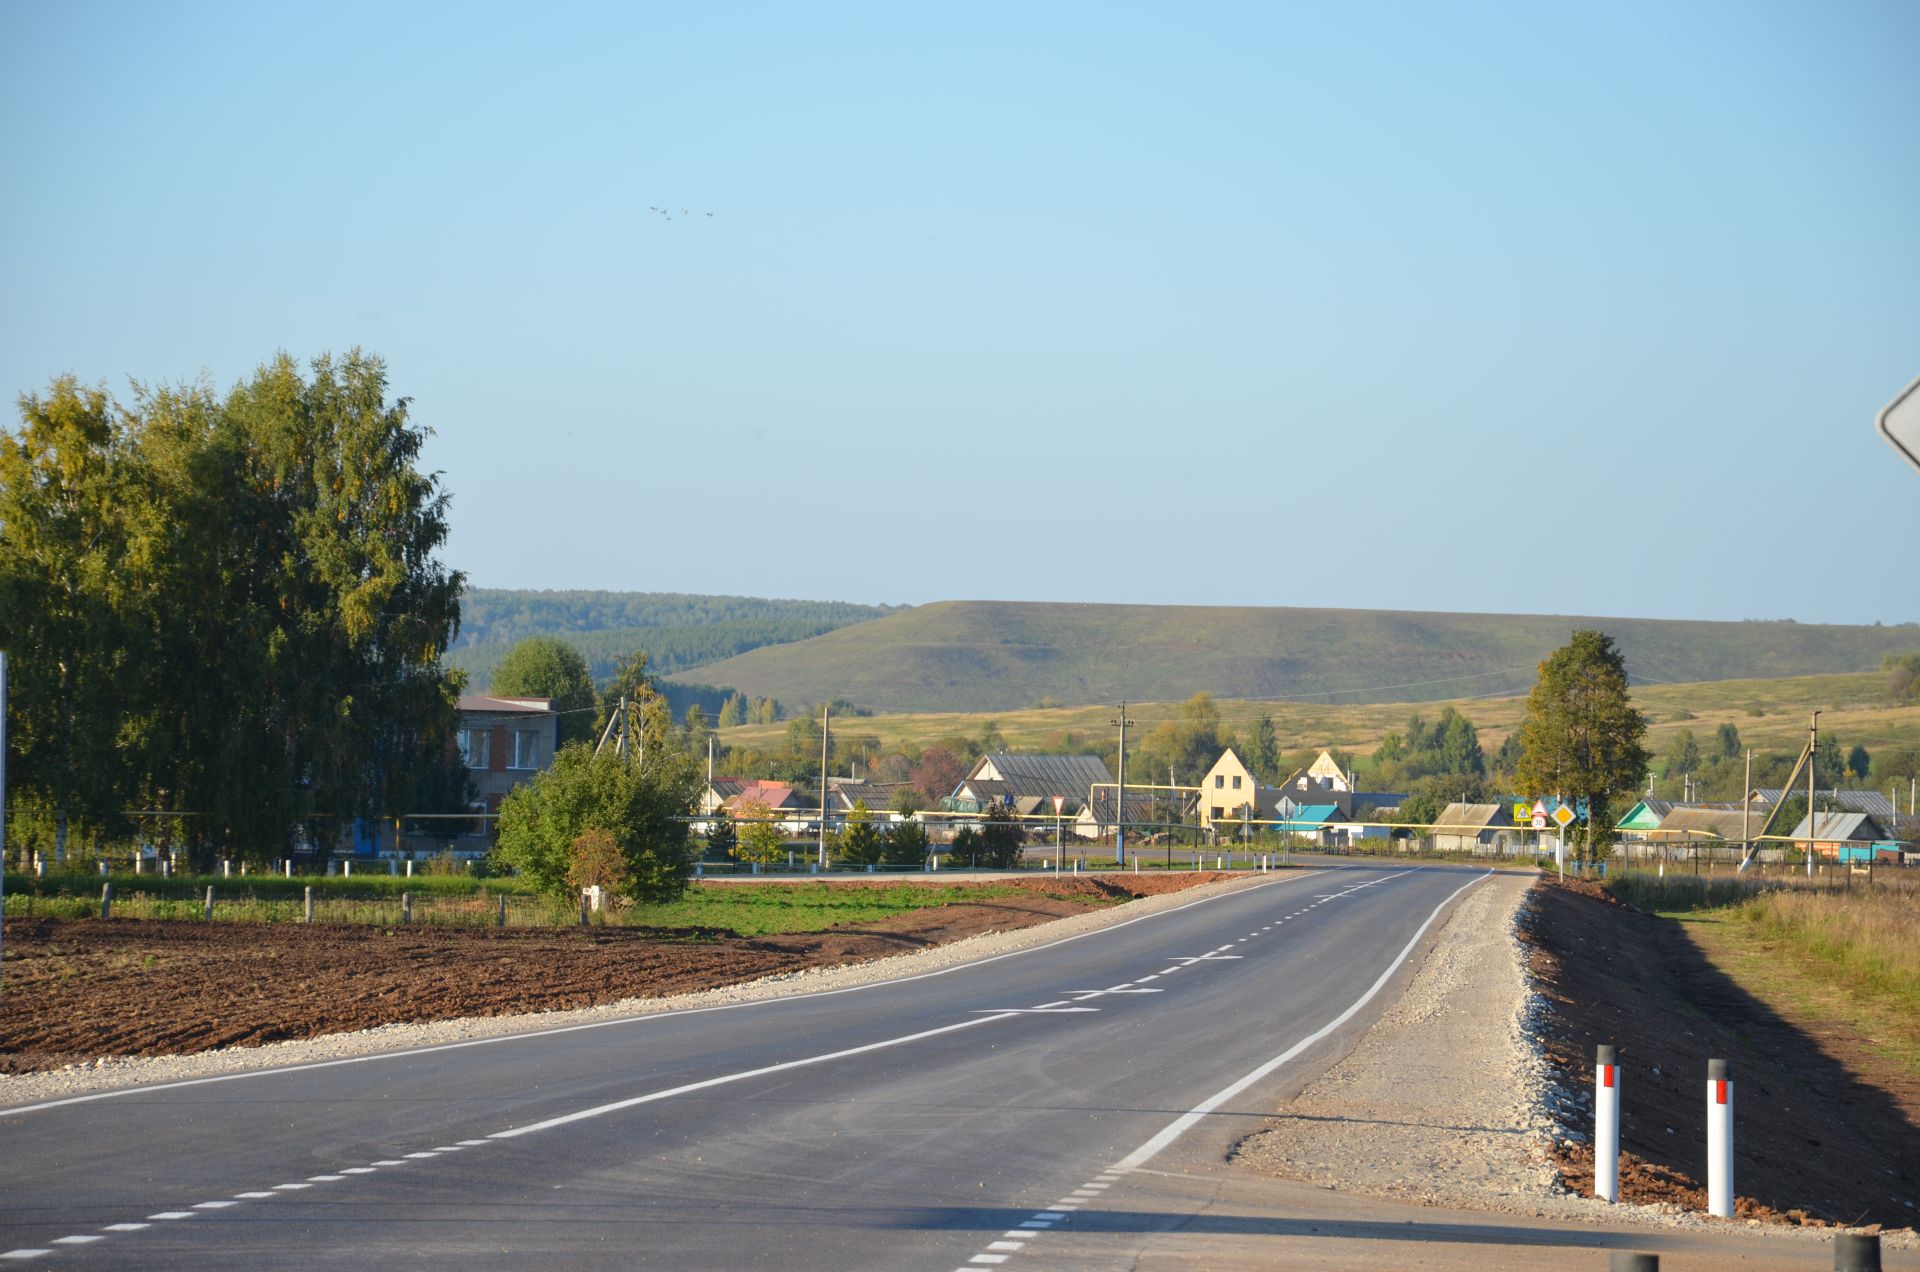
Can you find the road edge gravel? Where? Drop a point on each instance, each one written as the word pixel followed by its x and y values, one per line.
pixel 1446 1135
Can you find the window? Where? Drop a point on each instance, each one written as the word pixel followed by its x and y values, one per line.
pixel 1218 812
pixel 526 749
pixel 473 747
pixel 1236 781
pixel 1219 781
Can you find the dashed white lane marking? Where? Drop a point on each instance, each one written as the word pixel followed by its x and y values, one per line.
pixel 1009 1242
pixel 410 1052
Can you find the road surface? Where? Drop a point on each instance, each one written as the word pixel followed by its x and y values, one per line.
pixel 976 1117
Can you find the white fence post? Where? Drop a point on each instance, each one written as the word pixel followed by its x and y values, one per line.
pixel 1720 1139
pixel 309 917
pixel 1606 1125
pixel 208 914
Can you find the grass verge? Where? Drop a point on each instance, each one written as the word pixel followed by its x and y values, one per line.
pixel 1847 958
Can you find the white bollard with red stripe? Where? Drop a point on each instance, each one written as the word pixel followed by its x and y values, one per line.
pixel 1606 1126
pixel 1720 1139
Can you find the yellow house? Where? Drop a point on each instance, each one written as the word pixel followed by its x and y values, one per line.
pixel 1230 792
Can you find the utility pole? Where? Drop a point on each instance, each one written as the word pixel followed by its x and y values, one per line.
pixel 1746 809
pixel 1120 794
pixel 826 716
pixel 1813 750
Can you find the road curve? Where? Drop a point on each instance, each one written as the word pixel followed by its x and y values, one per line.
pixel 960 1119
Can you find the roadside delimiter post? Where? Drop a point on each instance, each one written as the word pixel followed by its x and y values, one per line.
pixel 1606 1125
pixel 208 914
pixel 309 918
pixel 1720 1139
pixel 106 900
pixel 406 907
pixel 1856 1252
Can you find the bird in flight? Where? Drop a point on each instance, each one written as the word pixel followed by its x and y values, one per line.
pixel 709 214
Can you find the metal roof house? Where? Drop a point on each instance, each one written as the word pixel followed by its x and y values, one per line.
pixel 1848 836
pixel 1007 778
pixel 1873 803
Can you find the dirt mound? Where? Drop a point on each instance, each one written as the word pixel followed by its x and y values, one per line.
pixel 1825 1132
pixel 126 987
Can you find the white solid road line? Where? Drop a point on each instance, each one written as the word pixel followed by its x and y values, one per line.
pixel 370 1058
pixel 1186 1121
pixel 602 1110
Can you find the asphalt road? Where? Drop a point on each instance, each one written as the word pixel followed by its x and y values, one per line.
pixel 968 1118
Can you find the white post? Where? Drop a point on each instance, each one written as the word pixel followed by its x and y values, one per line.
pixel 346 868
pixel 226 868
pixel 208 914
pixel 1606 1126
pixel 1720 1139
pixel 409 867
pixel 286 867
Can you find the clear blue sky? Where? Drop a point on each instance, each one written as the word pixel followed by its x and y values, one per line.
pixel 1509 307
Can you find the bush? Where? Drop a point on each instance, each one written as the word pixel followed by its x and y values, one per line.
pixel 643 810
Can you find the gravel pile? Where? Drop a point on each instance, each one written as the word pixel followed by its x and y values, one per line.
pixel 99 1075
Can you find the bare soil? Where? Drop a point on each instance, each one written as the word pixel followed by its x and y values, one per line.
pixel 87 989
pixel 1826 1130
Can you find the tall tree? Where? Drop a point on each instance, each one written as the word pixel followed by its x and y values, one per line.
pixel 545 667
pixel 63 538
pixel 258 581
pixel 1582 736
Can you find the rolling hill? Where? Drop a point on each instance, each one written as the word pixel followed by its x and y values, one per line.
pixel 1002 655
pixel 677 630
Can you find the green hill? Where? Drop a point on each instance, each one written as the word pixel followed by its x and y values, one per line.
pixel 999 656
pixel 678 631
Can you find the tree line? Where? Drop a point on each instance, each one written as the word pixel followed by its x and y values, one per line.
pixel 224 614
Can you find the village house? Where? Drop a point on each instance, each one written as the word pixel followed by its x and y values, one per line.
pixel 1475 828
pixel 1027 784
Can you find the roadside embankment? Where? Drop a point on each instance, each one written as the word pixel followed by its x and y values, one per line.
pixel 1474 1089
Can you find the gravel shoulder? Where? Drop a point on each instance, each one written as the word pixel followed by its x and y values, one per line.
pixel 1451 1098
pixel 110 1072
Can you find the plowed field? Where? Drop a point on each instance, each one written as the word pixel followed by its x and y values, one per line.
pixel 78 990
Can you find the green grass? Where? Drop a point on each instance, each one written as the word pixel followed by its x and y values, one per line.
pixel 1849 956
pixel 747 909
pixel 1005 656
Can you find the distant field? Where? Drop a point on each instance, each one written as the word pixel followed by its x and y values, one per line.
pixel 1006 657
pixel 1770 714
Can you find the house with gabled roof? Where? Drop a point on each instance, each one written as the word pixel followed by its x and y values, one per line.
pixel 1846 836
pixel 1472 827
pixel 1020 781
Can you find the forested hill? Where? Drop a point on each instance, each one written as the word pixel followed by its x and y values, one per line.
pixel 679 631
pixel 999 656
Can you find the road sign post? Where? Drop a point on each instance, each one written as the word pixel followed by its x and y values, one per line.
pixel 1899 424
